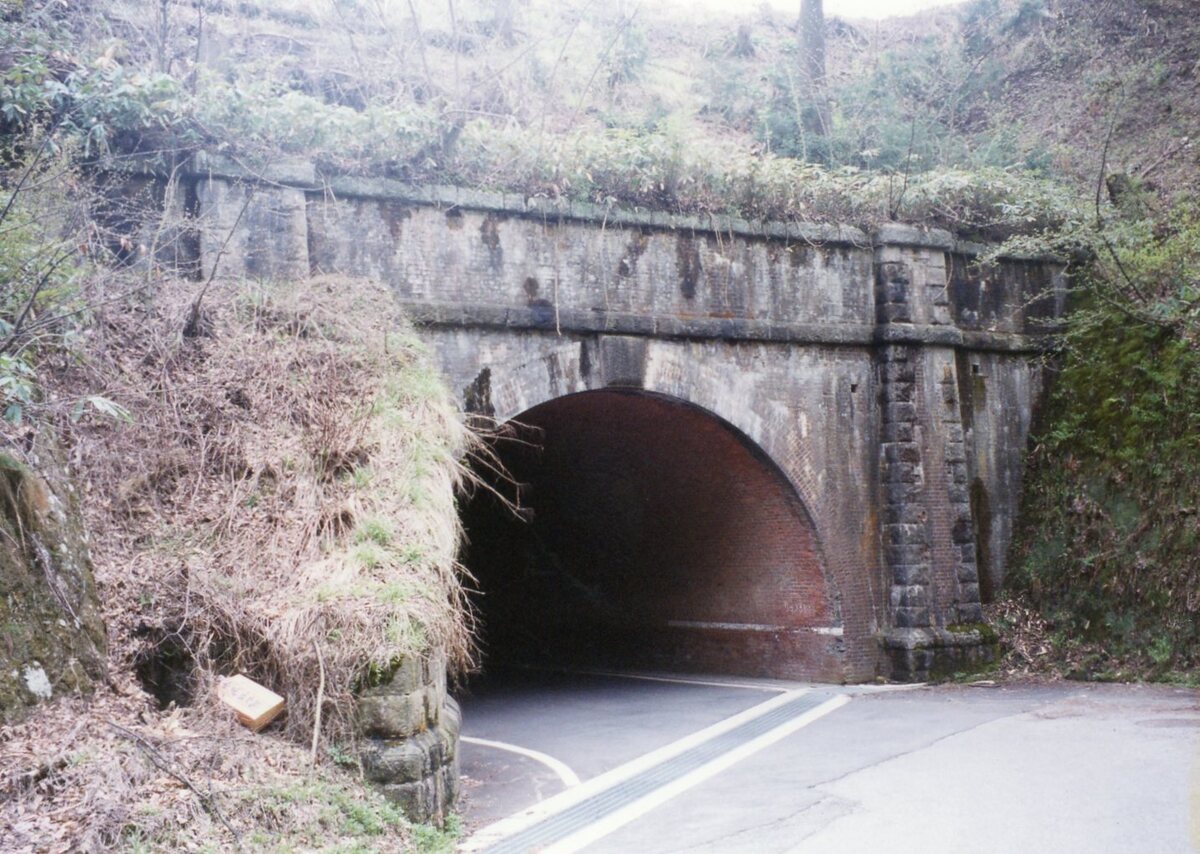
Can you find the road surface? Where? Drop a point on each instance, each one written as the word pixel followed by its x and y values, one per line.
pixel 624 763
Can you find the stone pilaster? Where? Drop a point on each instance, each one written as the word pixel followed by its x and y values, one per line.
pixel 410 727
pixel 965 607
pixel 927 533
pixel 904 520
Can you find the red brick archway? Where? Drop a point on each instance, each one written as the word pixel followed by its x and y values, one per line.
pixel 656 535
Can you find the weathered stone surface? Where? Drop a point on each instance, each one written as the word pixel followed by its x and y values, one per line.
pixel 429 799
pixel 394 715
pixel 887 377
pixel 922 654
pixel 53 637
pixel 411 730
pixel 251 230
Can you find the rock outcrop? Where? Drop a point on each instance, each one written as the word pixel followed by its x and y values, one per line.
pixel 52 638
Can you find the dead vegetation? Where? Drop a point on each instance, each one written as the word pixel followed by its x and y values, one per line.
pixel 113 772
pixel 1033 647
pixel 282 505
pixel 1027 650
pixel 284 502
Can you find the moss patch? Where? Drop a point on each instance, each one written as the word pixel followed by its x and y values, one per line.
pixel 1107 543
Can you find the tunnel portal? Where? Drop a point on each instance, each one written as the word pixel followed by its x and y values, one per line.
pixel 652 534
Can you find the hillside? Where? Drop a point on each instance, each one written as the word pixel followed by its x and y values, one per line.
pixel 320 548
pixel 426 93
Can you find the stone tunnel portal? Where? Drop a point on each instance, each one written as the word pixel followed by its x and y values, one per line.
pixel 654 534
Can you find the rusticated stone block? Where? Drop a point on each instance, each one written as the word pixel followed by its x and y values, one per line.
pixel 903 452
pixel 411 745
pixel 908 617
pixel 909 574
pixel 905 514
pixel 903 535
pixel 391 715
pixel 407 760
pixel 911 596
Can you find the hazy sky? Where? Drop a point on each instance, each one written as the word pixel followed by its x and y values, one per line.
pixel 845 8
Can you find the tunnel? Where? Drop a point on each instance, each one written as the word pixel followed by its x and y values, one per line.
pixel 634 530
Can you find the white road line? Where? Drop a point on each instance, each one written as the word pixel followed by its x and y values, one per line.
pixel 532 815
pixel 613 821
pixel 568 777
pixel 682 680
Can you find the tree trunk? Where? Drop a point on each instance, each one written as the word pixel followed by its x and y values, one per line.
pixel 816 118
pixel 504 14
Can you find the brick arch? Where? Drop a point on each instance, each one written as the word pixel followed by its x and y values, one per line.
pixel 662 534
pixel 518 384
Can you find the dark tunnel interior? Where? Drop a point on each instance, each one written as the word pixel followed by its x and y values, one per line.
pixel 654 535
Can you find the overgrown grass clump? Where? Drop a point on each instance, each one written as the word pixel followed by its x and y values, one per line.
pixel 283 503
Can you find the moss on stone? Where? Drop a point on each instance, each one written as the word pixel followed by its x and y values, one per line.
pixel 52 636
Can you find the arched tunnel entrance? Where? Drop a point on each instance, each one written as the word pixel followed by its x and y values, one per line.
pixel 654 535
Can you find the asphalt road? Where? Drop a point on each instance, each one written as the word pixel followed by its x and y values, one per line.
pixel 780 767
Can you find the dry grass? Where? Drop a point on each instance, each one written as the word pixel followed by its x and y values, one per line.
pixel 282 504
pixel 1033 648
pixel 284 501
pixel 1027 649
pixel 113 772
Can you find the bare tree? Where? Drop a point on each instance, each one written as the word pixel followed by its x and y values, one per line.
pixel 816 117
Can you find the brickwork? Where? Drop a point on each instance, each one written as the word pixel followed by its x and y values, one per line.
pixel 652 519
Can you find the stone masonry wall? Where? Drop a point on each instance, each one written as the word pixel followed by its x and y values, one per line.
pixel 410 728
pixel 889 378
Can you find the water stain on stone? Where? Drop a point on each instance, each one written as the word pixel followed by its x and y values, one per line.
pixel 633 251
pixel 585 360
pixel 454 219
pixel 542 312
pixel 394 215
pixel 687 256
pixel 489 233
pixel 477 397
pixel 531 287
pixel 800 256
pixel 981 512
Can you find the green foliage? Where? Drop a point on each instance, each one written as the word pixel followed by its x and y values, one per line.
pixel 628 55
pixel 375 531
pixel 95 100
pixel 1108 543
pixel 47 278
pixel 432 840
pixel 1155 265
pixel 897 136
pixel 264 118
pixel 17 384
pixel 326 814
